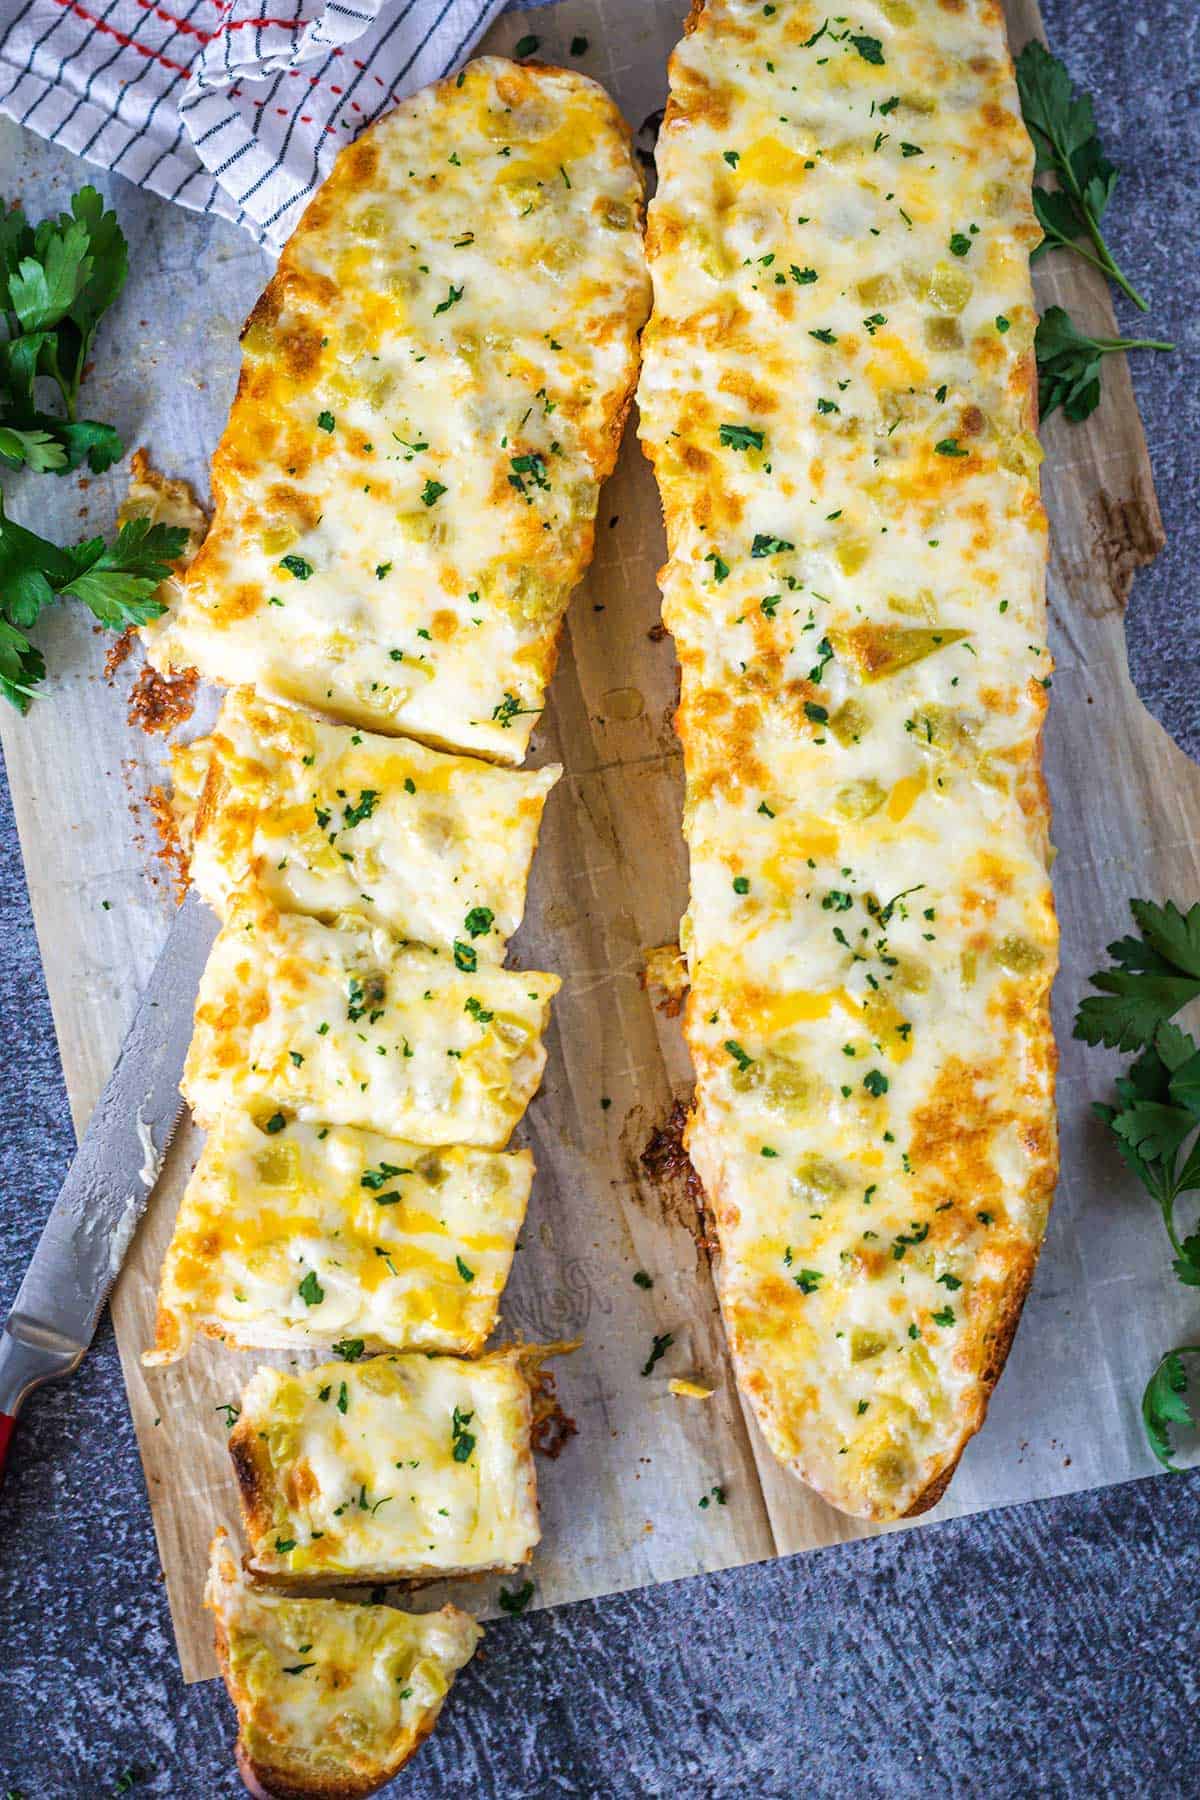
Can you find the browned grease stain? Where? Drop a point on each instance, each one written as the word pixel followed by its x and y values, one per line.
pixel 659 1166
pixel 552 1428
pixel 1125 534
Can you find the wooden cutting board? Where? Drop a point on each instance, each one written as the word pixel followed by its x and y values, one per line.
pixel 621 1506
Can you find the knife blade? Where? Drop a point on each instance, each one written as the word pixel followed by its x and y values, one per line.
pixel 110 1180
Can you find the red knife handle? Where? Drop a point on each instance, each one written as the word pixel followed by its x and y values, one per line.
pixel 7 1423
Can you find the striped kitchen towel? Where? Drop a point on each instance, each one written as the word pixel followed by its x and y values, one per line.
pixel 235 107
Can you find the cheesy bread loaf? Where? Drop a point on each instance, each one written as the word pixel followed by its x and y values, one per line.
pixel 396 1467
pixel 433 388
pixel 322 819
pixel 291 1233
pixel 347 1025
pixel 332 1699
pixel 839 399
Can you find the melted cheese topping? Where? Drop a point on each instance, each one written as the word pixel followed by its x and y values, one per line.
pixel 327 1691
pixel 838 395
pixel 348 1026
pixel 432 392
pixel 322 819
pixel 306 1234
pixel 398 1466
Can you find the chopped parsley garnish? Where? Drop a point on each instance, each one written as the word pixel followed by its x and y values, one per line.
pixel 465 957
pixel 514 1600
pixel 960 243
pixel 349 1349
pixel 740 437
pixel 311 1291
pixel 869 48
pixel 454 294
pixel 802 277
pixel 460 1265
pixel 950 447
pixel 297 566
pixel 462 1441
pixel 325 421
pixel 720 568
pixel 907 1240
pixel 509 709
pixel 765 545
pixel 377 1178
pixel 432 492
pixel 658 1350
pixel 479 921
pixel 275 1123
pixel 530 467
pixel 739 1056
pixel 363 807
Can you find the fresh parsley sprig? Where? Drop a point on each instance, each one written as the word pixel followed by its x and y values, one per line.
pixel 1063 128
pixel 1068 363
pixel 1157 1113
pixel 116 582
pixel 57 279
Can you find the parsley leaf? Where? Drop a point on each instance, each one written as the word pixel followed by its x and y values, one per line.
pixel 1165 1403
pixel 1068 363
pixel 1063 128
pixel 1157 1111
pixel 1156 974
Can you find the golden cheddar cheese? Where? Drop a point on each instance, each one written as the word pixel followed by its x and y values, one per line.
pixel 310 1234
pixel 396 1467
pixel 331 1698
pixel 432 391
pixel 346 1025
pixel 839 399
pixel 322 819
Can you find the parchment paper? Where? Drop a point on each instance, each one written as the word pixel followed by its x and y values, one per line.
pixel 621 1505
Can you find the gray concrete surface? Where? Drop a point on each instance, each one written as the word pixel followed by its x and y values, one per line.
pixel 1047 1650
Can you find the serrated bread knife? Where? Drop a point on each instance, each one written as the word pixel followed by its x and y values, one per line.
pixel 92 1223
